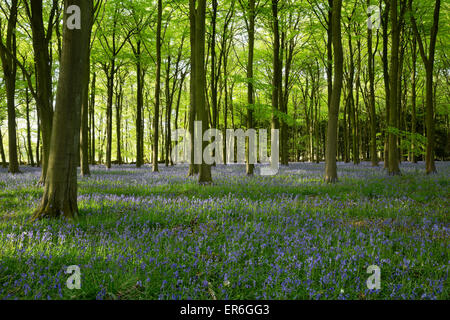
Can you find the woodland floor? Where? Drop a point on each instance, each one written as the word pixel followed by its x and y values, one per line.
pixel 143 235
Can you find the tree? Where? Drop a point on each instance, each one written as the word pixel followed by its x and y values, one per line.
pixel 42 36
pixel 333 112
pixel 428 61
pixel 250 24
pixel 372 112
pixel 60 191
pixel 157 89
pixel 197 15
pixel 276 78
pixel 112 42
pixel 8 57
pixel 396 22
pixel 84 142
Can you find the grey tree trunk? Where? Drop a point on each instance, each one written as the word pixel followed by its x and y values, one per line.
pixel 60 191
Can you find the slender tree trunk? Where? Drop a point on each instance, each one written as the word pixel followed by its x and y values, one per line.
pixel 2 151
pixel 330 165
pixel 386 78
pixel 213 65
pixel 394 68
pixel 38 142
pixel 276 67
pixel 413 101
pixel 119 95
pixel 428 61
pixel 109 112
pixel 157 89
pixel 9 73
pixel 30 149
pixel 168 111
pixel 372 112
pixel 329 64
pixel 139 108
pixel 43 62
pixel 355 119
pixel 92 112
pixel 84 141
pixel 250 93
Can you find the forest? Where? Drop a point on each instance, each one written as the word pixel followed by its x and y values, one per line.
pixel 134 145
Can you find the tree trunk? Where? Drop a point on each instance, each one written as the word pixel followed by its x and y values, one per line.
pixel 393 168
pixel 197 13
pixel 60 192
pixel 139 107
pixel 30 149
pixel 8 55
pixel 250 93
pixel 168 111
pixel 429 67
pixel 119 95
pixel 92 118
pixel 157 89
pixel 413 101
pixel 43 62
pixel 276 67
pixel 372 111
pixel 2 151
pixel 84 141
pixel 330 165
pixel 386 78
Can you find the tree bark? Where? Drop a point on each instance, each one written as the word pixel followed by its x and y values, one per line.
pixel 2 151
pixel 84 141
pixel 333 112
pixel 372 111
pixel 43 62
pixel 30 149
pixel 92 118
pixel 386 77
pixel 197 14
pixel 276 79
pixel 60 192
pixel 157 89
pixel 250 91
pixel 8 56
pixel 428 60
pixel 394 168
pixel 413 101
pixel 139 107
